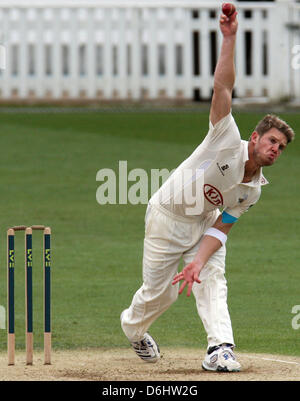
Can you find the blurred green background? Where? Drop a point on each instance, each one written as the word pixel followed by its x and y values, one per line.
pixel 49 163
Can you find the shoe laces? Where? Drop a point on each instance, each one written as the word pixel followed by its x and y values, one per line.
pixel 141 345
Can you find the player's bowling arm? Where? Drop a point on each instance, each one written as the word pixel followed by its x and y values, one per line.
pixel 224 77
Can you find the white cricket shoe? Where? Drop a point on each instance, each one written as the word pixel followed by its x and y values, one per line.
pixel 221 359
pixel 147 349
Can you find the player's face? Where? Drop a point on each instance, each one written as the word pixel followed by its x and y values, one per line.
pixel 268 147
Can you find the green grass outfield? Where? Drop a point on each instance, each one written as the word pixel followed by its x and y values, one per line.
pixel 48 176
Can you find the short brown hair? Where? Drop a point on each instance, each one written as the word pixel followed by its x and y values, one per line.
pixel 272 121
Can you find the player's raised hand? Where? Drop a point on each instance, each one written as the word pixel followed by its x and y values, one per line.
pixel 229 24
pixel 189 274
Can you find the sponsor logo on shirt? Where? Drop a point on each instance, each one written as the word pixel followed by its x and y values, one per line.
pixel 213 195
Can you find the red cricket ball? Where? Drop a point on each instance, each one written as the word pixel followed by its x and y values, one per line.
pixel 228 9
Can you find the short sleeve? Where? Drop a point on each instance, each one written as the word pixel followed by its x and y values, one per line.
pixel 242 207
pixel 223 134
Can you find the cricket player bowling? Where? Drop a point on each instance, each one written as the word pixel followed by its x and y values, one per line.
pixel 227 176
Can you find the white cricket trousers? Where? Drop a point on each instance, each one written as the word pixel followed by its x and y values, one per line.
pixel 168 238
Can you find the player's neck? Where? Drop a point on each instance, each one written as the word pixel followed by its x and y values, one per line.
pixel 250 171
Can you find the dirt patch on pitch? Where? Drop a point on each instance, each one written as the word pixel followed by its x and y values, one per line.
pixel 123 364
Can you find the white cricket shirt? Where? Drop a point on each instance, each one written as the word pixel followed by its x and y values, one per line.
pixel 211 177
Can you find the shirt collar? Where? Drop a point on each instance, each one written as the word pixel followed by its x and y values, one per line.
pixel 245 151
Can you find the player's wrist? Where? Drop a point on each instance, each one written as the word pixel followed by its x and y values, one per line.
pixel 229 37
pixel 198 263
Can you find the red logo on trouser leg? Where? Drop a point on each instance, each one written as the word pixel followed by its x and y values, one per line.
pixel 213 195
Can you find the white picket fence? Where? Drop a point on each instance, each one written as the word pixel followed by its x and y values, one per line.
pixel 144 49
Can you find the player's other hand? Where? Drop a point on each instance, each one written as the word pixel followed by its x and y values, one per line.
pixel 228 25
pixel 189 274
